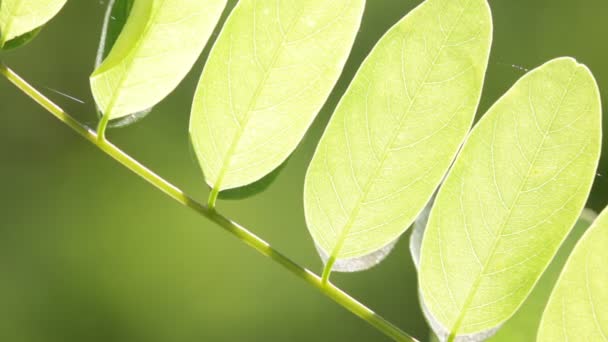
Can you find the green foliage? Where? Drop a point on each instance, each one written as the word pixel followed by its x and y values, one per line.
pixel 396 131
pixel 114 21
pixel 511 198
pixel 577 309
pixel 158 45
pixel 481 242
pixel 523 326
pixel 20 19
pixel 270 71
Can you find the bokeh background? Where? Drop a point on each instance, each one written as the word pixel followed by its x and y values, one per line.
pixel 90 252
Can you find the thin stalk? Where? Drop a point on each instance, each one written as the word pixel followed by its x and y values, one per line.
pixel 102 126
pixel 215 192
pixel 228 225
pixel 327 269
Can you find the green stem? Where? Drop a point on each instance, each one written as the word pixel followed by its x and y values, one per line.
pixel 230 226
pixel 102 126
pixel 327 269
pixel 213 197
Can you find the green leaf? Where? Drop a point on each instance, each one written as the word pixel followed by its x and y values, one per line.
pixel 155 50
pixel 20 18
pixel 269 73
pixel 21 40
pixel 523 326
pixel 114 21
pixel 510 200
pixel 396 131
pixel 578 306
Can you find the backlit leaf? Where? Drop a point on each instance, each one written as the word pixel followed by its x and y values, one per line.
pixel 22 17
pixel 510 200
pixel 155 50
pixel 268 75
pixel 396 131
pixel 114 21
pixel 578 306
pixel 523 326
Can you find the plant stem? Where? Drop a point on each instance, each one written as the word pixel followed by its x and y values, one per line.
pixel 102 126
pixel 327 269
pixel 213 197
pixel 230 226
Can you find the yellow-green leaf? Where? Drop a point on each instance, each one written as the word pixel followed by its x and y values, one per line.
pixel 20 17
pixel 396 131
pixel 578 306
pixel 114 21
pixel 268 75
pixel 510 200
pixel 155 50
pixel 523 326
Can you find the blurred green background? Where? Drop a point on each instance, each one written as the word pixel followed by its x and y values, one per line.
pixel 90 252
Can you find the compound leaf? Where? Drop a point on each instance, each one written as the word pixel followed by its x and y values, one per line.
pixel 577 309
pixel 510 200
pixel 268 75
pixel 396 131
pixel 157 47
pixel 19 19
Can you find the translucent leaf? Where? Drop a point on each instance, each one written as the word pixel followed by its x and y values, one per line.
pixel 523 326
pixel 269 73
pixel 114 21
pixel 510 200
pixel 396 131
pixel 19 19
pixel 21 40
pixel 578 307
pixel 154 51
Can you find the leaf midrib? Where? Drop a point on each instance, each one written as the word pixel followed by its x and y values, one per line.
pixel 473 289
pixel 386 150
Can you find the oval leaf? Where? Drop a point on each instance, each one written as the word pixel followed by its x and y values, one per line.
pixel 578 307
pixel 155 50
pixel 510 200
pixel 267 77
pixel 22 17
pixel 396 131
